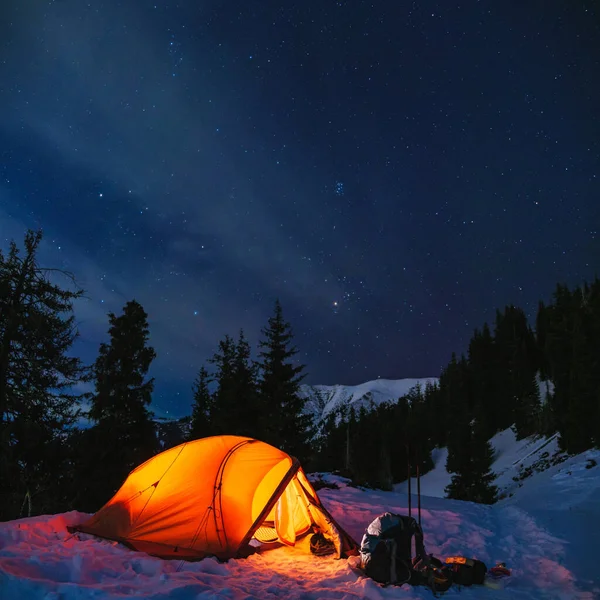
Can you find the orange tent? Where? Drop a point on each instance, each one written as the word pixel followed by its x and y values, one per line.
pixel 210 497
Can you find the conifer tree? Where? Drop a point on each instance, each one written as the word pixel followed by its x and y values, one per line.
pixel 124 434
pixel 331 443
pixel 224 399
pixel 250 417
pixel 202 408
pixel 526 389
pixel 398 415
pixel 235 403
pixel 517 363
pixel 469 451
pixel 286 425
pixel 578 429
pixel 37 405
pixel 485 380
pixel 541 337
pixel 470 458
pixel 437 415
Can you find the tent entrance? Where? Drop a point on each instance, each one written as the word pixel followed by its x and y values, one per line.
pixel 266 534
pixel 288 519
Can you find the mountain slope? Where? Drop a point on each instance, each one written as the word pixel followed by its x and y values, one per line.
pixel 515 461
pixel 322 399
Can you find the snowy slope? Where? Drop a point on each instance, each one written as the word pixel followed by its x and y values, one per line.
pixel 543 532
pixel 322 399
pixel 515 461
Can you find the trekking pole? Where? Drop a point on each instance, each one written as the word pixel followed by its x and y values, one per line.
pixel 408 474
pixel 418 487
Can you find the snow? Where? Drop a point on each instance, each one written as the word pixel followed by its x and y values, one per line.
pixel 434 482
pixel 323 399
pixel 513 459
pixel 544 532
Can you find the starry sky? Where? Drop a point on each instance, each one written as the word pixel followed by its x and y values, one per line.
pixel 391 171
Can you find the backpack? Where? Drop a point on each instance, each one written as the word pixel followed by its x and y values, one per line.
pixel 386 549
pixel 466 571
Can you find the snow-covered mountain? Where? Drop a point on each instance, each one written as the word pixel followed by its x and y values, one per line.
pixel 322 399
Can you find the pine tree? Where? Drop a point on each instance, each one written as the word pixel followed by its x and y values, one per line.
pixel 517 363
pixel 124 435
pixel 249 410
pixel 541 337
pixel 469 451
pixel 286 425
pixel 482 488
pixel 37 405
pixel 202 408
pixel 578 429
pixel 470 458
pixel 485 380
pixel 330 443
pixel 526 389
pixel 224 417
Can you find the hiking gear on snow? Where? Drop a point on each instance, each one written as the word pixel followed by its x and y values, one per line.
pixel 499 571
pixel 432 573
pixel 320 545
pixel 209 497
pixel 466 571
pixel 409 482
pixel 386 548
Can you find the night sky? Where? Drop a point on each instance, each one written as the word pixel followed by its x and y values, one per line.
pixel 391 171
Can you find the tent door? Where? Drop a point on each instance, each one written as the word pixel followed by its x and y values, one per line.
pixel 291 514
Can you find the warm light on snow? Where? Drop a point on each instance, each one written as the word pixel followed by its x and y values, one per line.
pixel 543 533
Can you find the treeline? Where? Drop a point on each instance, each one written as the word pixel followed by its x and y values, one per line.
pixel 494 386
pixel 259 399
pixel 49 463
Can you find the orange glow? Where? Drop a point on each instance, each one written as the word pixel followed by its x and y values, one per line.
pixel 205 497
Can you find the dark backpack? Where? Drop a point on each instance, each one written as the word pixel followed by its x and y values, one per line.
pixel 386 549
pixel 466 571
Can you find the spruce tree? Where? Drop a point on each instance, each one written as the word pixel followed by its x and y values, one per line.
pixel 225 402
pixel 578 429
pixel 485 380
pixel 202 408
pixel 527 402
pixel 470 454
pixel 37 404
pixel 124 434
pixel 286 424
pixel 329 446
pixel 249 413
pixel 541 337
pixel 470 458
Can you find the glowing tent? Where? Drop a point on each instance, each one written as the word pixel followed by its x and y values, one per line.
pixel 210 497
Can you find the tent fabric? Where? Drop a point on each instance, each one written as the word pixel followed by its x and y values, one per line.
pixel 209 497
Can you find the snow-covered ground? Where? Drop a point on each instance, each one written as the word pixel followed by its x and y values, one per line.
pixel 546 532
